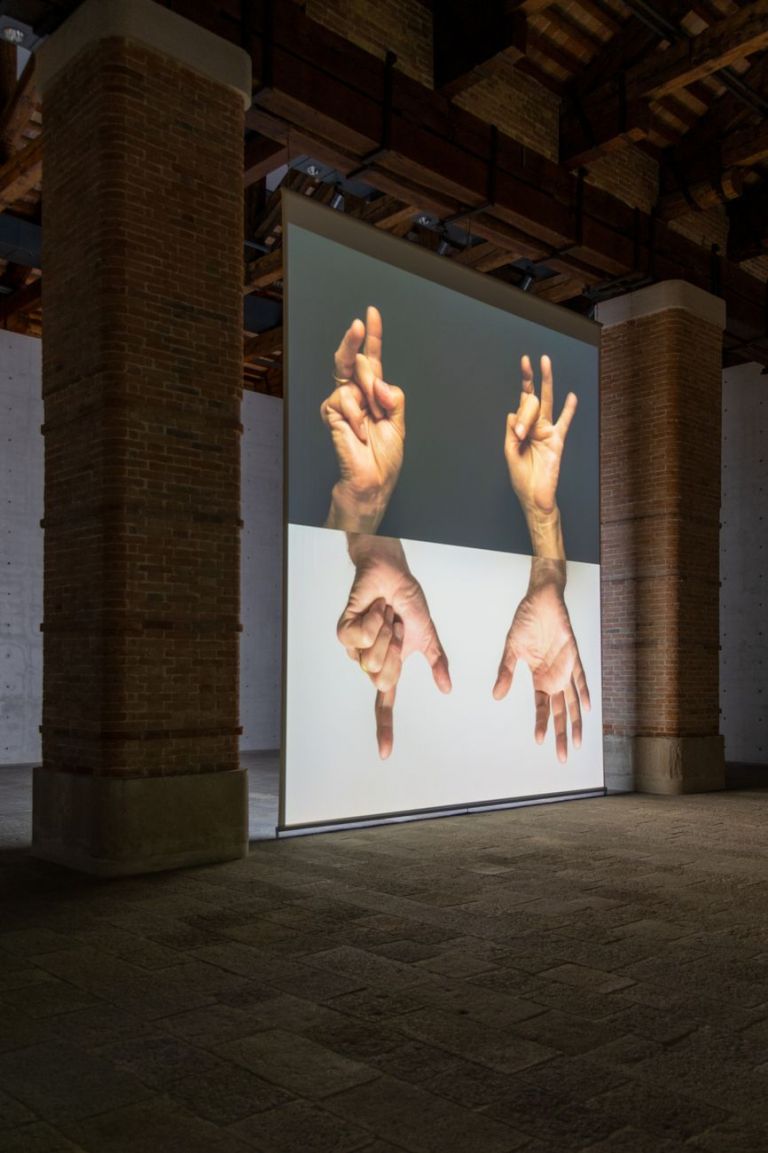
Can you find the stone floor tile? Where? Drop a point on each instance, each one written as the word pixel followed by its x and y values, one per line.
pixel 368 968
pixel 213 1024
pixel 487 1044
pixel 583 977
pixel 416 1063
pixel 226 1094
pixel 99 1025
pixel 571 1125
pixel 296 1063
pixel 671 1115
pixel 13 1113
pixel 155 1060
pixel 736 1135
pixel 37 1138
pixel 456 964
pixel 376 1004
pixel 302 1126
pixel 482 1004
pixel 161 1126
pixel 59 1081
pixel 632 1140
pixel 567 1032
pixel 409 952
pixel 421 1122
pixel 47 998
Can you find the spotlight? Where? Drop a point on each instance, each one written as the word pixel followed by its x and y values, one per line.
pixel 424 221
pixel 527 282
pixel 313 170
pixel 337 201
pixel 13 35
pixel 443 247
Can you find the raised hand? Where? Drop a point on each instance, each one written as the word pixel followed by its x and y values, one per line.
pixel 366 419
pixel 533 447
pixel 541 635
pixel 385 620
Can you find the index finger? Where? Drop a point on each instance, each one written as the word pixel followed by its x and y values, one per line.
pixel 385 737
pixel 344 357
pixel 374 331
pixel 526 376
pixel 546 388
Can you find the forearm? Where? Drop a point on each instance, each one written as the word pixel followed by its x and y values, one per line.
pixel 546 533
pixel 353 514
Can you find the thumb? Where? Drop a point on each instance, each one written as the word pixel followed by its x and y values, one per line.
pixel 505 676
pixel 391 399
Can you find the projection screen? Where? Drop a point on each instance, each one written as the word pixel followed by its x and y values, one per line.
pixel 442 581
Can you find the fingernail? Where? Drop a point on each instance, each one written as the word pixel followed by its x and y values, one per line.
pixel 520 431
pixel 399 630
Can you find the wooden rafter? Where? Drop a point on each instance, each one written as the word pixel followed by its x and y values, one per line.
pixel 17 113
pixel 21 173
pixel 731 39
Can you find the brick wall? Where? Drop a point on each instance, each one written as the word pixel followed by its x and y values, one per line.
pixel 142 385
pixel 400 26
pixel 518 106
pixel 705 228
pixel 660 462
pixel 630 174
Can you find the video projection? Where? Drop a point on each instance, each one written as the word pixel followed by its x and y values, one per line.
pixel 442 579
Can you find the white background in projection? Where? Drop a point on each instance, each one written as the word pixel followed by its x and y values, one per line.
pixel 449 750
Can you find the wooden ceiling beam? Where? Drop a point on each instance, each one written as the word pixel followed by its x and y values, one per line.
pixel 264 345
pixel 262 156
pixel 689 60
pixel 331 94
pixel 21 173
pixel 17 113
pixel 19 303
pixel 596 117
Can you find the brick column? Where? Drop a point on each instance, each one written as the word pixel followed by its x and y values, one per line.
pixel 661 381
pixel 142 382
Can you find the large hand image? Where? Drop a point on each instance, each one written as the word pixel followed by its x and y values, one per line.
pixel 385 620
pixel 541 635
pixel 366 419
pixel 533 447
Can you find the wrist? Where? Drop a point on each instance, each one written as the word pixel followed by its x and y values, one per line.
pixel 547 571
pixel 366 549
pixel 356 512
pixel 546 533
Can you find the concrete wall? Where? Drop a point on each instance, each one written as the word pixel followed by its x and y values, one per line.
pixel 21 548
pixel 261 571
pixel 744 567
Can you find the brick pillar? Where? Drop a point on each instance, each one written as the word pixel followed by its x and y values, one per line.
pixel 661 381
pixel 142 382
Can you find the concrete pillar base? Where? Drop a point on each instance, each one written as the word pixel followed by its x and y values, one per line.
pixel 675 765
pixel 113 826
pixel 664 765
pixel 619 764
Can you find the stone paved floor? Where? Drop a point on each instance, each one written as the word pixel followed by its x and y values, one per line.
pixel 585 976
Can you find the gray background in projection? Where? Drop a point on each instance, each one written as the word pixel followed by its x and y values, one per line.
pixel 458 362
